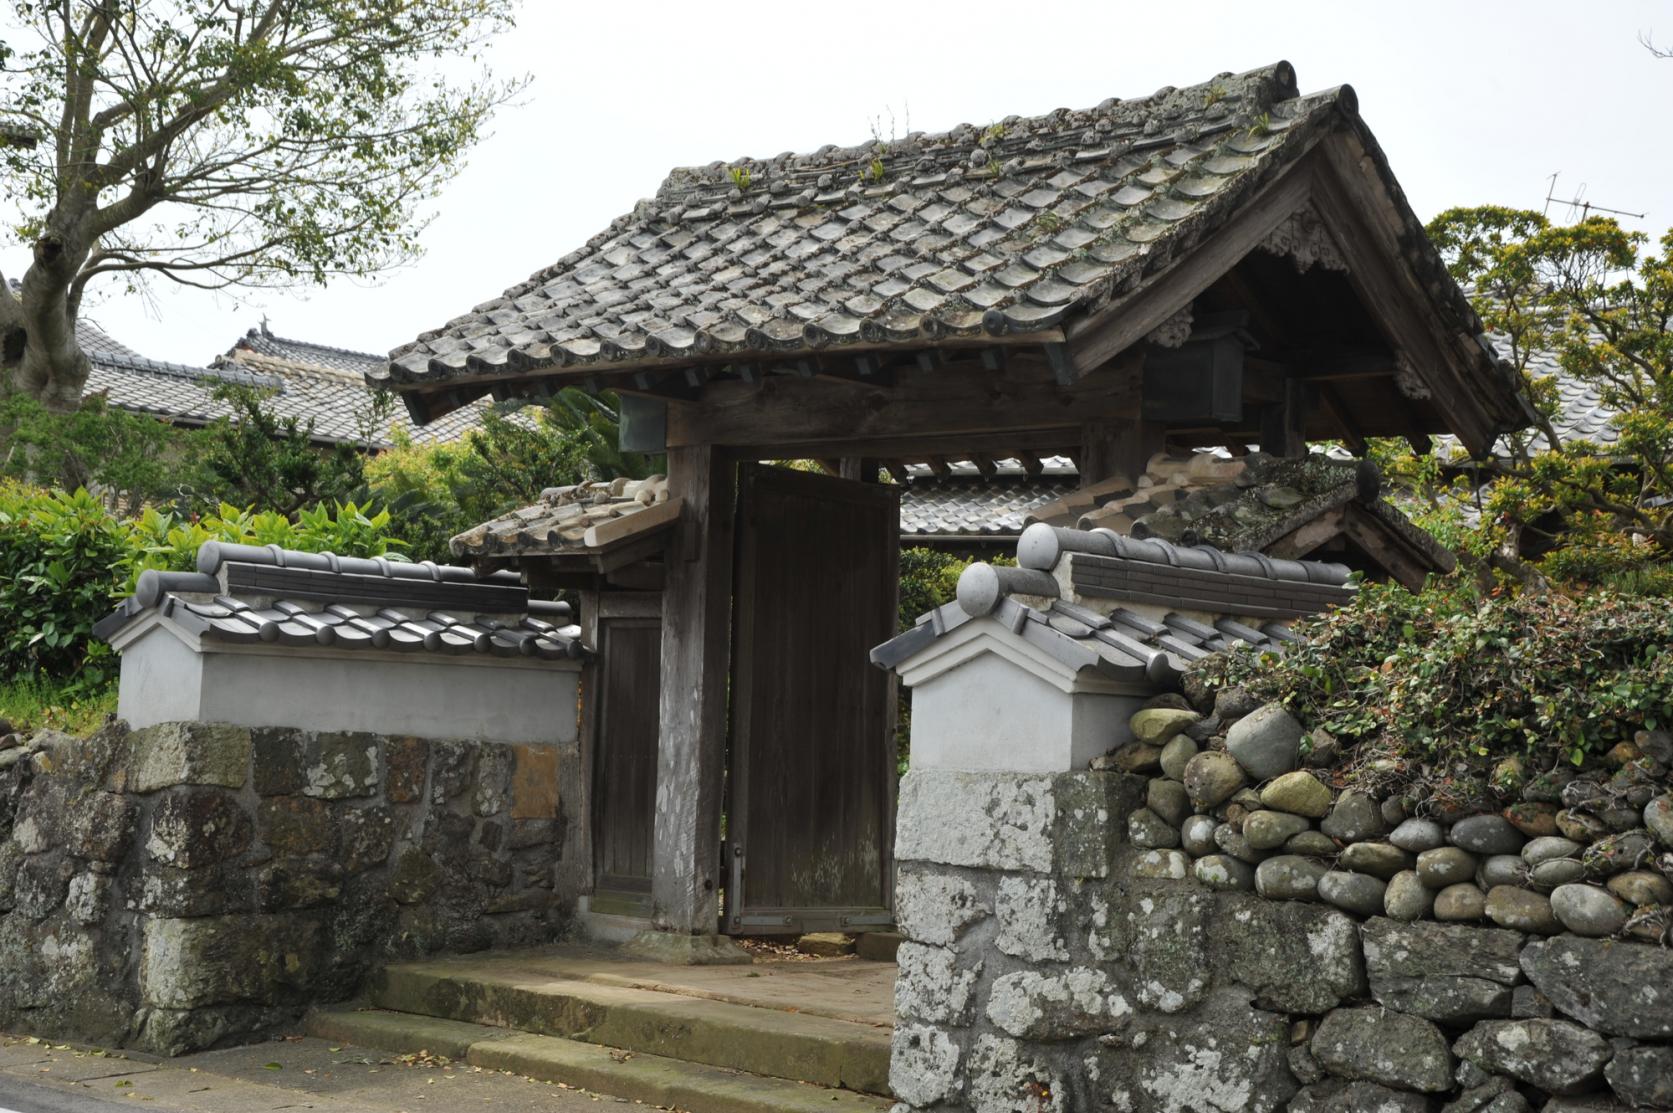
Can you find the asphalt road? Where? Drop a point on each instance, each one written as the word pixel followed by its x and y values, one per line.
pixel 287 1075
pixel 18 1096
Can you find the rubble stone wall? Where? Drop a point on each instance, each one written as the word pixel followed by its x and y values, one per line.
pixel 186 884
pixel 1052 964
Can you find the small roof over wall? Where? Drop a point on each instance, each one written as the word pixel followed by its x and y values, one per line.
pixel 245 595
pixel 1127 609
pixel 1075 236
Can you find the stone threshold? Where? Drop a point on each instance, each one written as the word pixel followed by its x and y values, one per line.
pixel 631 1075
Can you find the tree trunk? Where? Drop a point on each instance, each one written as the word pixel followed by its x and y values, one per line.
pixel 39 353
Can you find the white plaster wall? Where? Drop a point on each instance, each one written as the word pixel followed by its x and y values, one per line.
pixel 430 695
pixel 161 680
pixel 988 715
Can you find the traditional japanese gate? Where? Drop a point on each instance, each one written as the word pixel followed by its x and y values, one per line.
pixel 811 774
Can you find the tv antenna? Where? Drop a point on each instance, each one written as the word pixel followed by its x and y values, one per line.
pixel 1578 203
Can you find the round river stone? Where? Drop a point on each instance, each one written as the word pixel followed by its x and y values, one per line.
pixel 1522 910
pixel 1557 871
pixel 1486 834
pixel 1658 817
pixel 1167 799
pixel 1418 835
pixel 1501 869
pixel 1314 844
pixel 1642 887
pixel 1462 903
pixel 1553 846
pixel 1197 833
pixel 1149 831
pixel 1268 830
pixel 1266 742
pixel 1588 910
pixel 1407 898
pixel 1359 893
pixel 1355 817
pixel 1446 865
pixel 1289 877
pixel 1175 754
pixel 1224 873
pixel 1212 778
pixel 1378 859
pixel 1299 793
pixel 1154 724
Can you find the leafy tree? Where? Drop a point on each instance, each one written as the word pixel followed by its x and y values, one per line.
pixel 267 142
pixel 131 460
pixel 437 491
pixel 257 459
pixel 1591 295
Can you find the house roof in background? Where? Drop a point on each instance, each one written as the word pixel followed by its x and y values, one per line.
pixel 333 394
pixel 261 342
pixel 1581 411
pixel 965 503
pixel 971 234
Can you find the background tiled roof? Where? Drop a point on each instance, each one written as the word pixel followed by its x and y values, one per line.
pixel 966 503
pixel 262 342
pixel 976 231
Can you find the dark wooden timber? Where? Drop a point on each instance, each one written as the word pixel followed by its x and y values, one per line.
pixel 625 756
pixel 691 757
pixel 1117 448
pixel 1368 230
pixel 811 801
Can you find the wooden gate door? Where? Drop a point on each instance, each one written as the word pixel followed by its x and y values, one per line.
pixel 811 776
pixel 624 765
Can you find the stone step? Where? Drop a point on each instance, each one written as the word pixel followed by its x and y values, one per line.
pixel 762 1041
pixel 633 1076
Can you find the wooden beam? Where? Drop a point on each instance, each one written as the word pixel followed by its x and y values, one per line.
pixel 628 525
pixel 696 659
pixel 1371 232
pixel 1377 543
pixel 984 463
pixel 1125 321
pixel 1307 536
pixel 1031 465
pixel 1338 414
pixel 1111 449
pixel 778 415
pixel 852 468
pixel 938 466
pixel 898 471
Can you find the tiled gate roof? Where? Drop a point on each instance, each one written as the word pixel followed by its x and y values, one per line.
pixel 975 232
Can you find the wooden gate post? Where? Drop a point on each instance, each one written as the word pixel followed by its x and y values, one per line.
pixel 696 651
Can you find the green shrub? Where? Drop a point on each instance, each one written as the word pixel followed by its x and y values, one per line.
pixel 1441 686
pixel 62 555
pixel 68 561
pixel 30 703
pixel 132 460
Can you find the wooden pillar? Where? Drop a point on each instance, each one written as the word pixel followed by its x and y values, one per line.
pixel 1117 448
pixel 1282 424
pixel 696 655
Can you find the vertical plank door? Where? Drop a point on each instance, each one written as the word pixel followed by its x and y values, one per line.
pixel 811 788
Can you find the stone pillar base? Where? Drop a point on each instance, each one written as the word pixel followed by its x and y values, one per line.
pixel 686 950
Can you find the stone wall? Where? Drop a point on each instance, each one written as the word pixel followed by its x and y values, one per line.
pixel 1051 964
pixel 187 884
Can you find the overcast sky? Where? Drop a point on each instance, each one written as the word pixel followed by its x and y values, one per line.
pixel 1474 102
